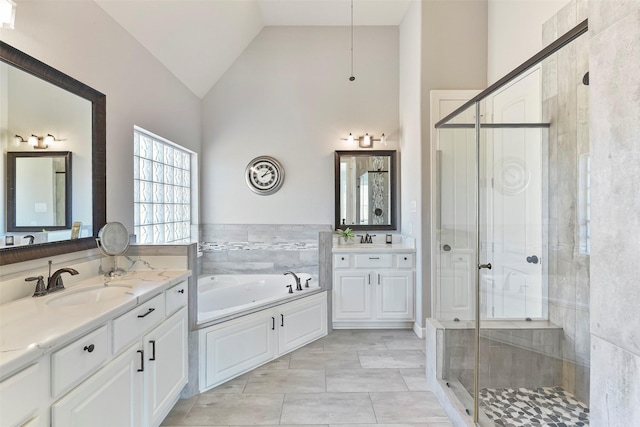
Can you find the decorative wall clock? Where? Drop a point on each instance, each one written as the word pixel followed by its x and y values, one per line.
pixel 264 175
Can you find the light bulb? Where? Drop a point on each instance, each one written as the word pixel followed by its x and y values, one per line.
pixel 49 139
pixel 33 140
pixel 350 138
pixel 383 139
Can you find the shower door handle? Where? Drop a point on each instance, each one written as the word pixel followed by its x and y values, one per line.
pixel 533 259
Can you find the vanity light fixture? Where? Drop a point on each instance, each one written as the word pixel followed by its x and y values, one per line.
pixel 365 141
pixel 7 14
pixel 37 142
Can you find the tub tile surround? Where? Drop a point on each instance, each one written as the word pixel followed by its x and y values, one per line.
pixel 260 248
pixel 343 392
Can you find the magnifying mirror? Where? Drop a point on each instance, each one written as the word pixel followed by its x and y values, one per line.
pixel 113 240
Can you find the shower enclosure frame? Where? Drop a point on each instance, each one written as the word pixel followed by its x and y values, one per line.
pixel 475 102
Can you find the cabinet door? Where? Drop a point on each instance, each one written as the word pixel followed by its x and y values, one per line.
pixel 394 295
pixel 301 322
pixel 165 366
pixel 236 347
pixel 111 397
pixel 23 396
pixel 352 295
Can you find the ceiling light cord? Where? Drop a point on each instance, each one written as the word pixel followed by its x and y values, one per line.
pixel 351 78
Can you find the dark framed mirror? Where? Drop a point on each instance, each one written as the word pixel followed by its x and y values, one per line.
pixel 92 171
pixel 39 192
pixel 365 190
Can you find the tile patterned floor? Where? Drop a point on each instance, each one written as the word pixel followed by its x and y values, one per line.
pixel 350 378
pixel 543 407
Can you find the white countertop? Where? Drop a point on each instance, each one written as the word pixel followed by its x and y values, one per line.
pixel 30 327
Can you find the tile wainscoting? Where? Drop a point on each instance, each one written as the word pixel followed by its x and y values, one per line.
pixel 256 248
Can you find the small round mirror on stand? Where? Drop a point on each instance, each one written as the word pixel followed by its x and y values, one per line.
pixel 113 240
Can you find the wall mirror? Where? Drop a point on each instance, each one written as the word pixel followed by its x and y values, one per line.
pixel 365 190
pixel 39 192
pixel 36 100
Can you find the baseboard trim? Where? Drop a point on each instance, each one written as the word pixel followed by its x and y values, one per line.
pixel 419 331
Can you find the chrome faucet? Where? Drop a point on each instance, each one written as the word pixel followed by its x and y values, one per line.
pixel 298 284
pixel 54 283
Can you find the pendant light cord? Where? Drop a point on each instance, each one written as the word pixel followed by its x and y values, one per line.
pixel 351 78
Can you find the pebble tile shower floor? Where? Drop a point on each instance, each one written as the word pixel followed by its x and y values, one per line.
pixel 350 377
pixel 539 407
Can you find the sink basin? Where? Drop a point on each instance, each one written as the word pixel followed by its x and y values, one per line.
pixel 88 295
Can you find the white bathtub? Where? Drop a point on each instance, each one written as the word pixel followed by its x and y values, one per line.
pixel 224 295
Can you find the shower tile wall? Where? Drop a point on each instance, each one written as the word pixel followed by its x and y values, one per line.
pixel 508 357
pixel 255 248
pixel 565 106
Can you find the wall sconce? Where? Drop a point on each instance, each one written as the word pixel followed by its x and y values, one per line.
pixel 365 141
pixel 37 142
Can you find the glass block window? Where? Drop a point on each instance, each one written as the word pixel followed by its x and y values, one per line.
pixel 162 190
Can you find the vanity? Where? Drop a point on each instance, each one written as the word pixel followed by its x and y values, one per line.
pixel 104 352
pixel 374 285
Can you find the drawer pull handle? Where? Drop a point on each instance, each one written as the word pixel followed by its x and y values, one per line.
pixel 378 279
pixel 89 348
pixel 141 360
pixel 181 291
pixel 369 277
pixel 153 349
pixel 273 323
pixel 151 310
pixel 282 320
pixel 405 258
pixel 342 258
pixel 374 257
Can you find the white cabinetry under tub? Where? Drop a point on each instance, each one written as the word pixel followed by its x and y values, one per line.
pixel 236 346
pixel 373 289
pixel 142 383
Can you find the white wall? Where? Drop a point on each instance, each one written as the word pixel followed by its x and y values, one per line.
pixel 514 32
pixel 81 40
pixel 411 135
pixel 288 96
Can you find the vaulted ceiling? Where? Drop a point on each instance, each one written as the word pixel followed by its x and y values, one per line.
pixel 198 40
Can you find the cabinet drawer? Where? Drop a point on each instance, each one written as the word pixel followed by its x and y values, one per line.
pixel 341 261
pixel 405 260
pixel 374 261
pixel 137 322
pixel 78 360
pixel 175 297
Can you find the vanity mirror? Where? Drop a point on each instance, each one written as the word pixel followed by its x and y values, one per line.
pixel 39 191
pixel 36 99
pixel 365 190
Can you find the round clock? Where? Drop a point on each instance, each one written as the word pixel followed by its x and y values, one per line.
pixel 264 175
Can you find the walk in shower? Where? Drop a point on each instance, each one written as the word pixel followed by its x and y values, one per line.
pixel 511 292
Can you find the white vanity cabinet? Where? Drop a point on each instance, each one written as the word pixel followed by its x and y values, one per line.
pixel 373 290
pixel 111 397
pixel 141 384
pixel 237 346
pixel 25 396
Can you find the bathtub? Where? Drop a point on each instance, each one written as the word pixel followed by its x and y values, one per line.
pixel 225 295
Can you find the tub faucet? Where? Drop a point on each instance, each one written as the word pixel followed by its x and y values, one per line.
pixel 55 280
pixel 298 284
